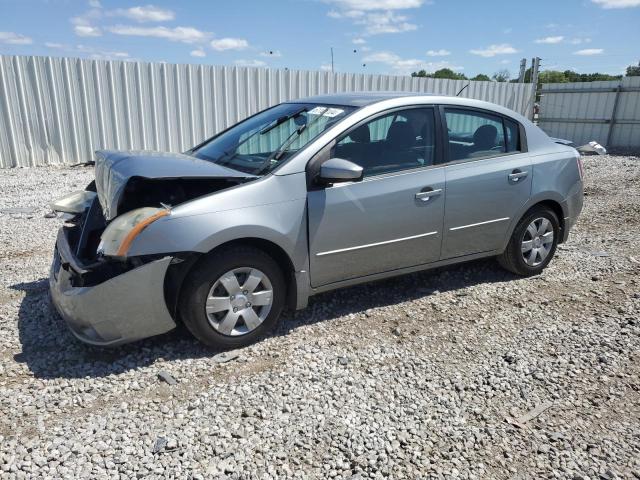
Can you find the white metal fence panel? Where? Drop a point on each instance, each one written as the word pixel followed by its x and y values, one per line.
pixel 607 112
pixel 60 110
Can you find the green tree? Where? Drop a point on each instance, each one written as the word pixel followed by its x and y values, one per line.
pixel 481 77
pixel 501 76
pixel 448 73
pixel 442 73
pixel 633 70
pixel 552 76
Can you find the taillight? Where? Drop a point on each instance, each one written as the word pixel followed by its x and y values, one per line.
pixel 580 167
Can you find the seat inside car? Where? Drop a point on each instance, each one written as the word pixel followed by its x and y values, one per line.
pixel 484 141
pixel 358 147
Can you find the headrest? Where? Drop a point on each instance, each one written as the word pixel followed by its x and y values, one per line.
pixel 485 137
pixel 401 136
pixel 361 134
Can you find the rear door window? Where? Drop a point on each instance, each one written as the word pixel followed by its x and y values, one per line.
pixel 474 134
pixel 512 130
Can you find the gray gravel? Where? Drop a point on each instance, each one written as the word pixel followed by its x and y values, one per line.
pixel 465 372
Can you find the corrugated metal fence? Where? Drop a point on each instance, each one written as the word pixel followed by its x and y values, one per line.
pixel 607 112
pixel 59 110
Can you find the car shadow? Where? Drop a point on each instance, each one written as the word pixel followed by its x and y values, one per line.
pixel 50 350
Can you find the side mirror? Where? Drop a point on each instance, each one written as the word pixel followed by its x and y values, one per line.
pixel 337 170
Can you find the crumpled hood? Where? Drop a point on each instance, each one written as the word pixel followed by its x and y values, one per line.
pixel 114 169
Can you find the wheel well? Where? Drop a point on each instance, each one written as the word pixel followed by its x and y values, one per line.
pixel 557 209
pixel 177 274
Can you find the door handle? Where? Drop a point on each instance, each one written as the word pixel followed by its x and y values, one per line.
pixel 516 175
pixel 425 195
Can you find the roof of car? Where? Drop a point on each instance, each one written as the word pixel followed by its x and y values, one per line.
pixel 358 99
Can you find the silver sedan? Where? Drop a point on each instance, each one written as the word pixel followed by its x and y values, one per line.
pixel 304 197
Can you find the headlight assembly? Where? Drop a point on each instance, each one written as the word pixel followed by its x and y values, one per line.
pixel 120 233
pixel 75 202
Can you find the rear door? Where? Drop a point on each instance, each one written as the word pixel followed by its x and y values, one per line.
pixel 488 177
pixel 392 218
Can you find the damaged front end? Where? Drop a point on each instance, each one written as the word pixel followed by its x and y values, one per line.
pixel 106 301
pixel 107 297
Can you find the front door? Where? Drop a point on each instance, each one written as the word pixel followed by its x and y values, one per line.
pixel 391 219
pixel 488 180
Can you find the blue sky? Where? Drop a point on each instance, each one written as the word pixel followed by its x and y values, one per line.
pixel 388 36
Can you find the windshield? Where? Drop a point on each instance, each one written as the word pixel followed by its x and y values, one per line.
pixel 264 141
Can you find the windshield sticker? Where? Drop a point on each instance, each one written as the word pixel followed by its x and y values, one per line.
pixel 325 112
pixel 333 112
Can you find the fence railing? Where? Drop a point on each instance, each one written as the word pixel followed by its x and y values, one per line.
pixel 607 112
pixel 60 110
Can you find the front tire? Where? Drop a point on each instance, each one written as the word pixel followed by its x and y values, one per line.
pixel 233 297
pixel 533 242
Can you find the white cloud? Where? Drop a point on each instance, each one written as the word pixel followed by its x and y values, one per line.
pixel 95 4
pixel 376 16
pixel 550 40
pixel 145 13
pixel 250 63
pixel 384 57
pixel 13 38
pixel 505 62
pixel 325 67
pixel 176 34
pixel 198 52
pixel 493 50
pixel 376 4
pixel 608 4
pixel 98 54
pixel 90 52
pixel 110 56
pixel 87 31
pixel 222 44
pixel 589 51
pixel 385 22
pixel 271 54
pixel 578 41
pixel 359 41
pixel 438 53
pixel 407 65
pixel 83 24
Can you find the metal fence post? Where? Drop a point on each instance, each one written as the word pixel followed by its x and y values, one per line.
pixel 535 66
pixel 614 112
pixel 523 70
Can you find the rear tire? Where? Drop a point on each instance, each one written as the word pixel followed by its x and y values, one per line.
pixel 233 297
pixel 533 242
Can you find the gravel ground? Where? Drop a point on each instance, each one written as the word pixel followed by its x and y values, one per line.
pixel 464 372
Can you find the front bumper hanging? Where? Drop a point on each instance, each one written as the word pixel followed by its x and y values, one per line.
pixel 128 307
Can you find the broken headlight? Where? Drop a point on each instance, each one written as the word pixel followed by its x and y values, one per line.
pixel 120 233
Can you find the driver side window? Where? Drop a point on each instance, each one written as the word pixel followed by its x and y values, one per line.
pixel 392 142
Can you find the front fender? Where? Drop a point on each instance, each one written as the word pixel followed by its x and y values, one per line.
pixel 283 224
